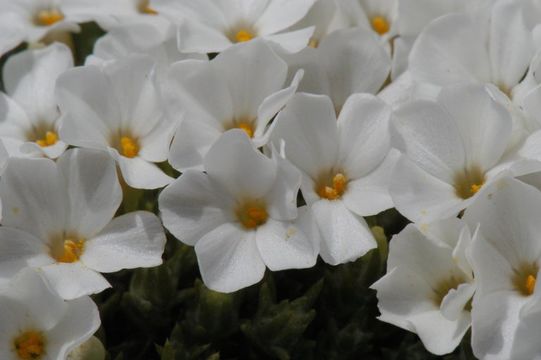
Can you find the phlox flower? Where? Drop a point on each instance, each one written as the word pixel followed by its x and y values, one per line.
pixel 118 107
pixel 506 260
pixel 241 215
pixel 345 163
pixel 29 116
pixel 35 323
pixel 380 16
pixel 243 87
pixel 207 26
pixel 157 41
pixel 494 46
pixel 345 62
pixel 429 283
pixel 451 148
pixel 58 218
pixel 34 20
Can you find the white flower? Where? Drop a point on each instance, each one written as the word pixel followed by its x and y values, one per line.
pixel 241 215
pixel 506 261
pixel 345 62
pixel 35 19
pixel 451 149
pixel 345 166
pixel 207 26
pixel 156 41
pixel 429 283
pixel 58 217
pixel 494 46
pixel 35 323
pixel 243 87
pixel 118 107
pixel 377 15
pixel 112 14
pixel 29 114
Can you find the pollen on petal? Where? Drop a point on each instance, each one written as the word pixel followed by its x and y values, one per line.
pixel 129 147
pixel 49 139
pixel 380 25
pixel 332 187
pixel 530 284
pixel 313 43
pixel 48 17
pixel 144 8
pixel 71 251
pixel 244 35
pixel 30 345
pixel 525 278
pixel 252 213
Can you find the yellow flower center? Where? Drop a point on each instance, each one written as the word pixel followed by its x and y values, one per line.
pixel 129 146
pixel 332 187
pixel 48 17
pixel 243 35
pixel 247 128
pixel 30 345
pixel 525 278
pixel 144 8
pixel 252 213
pixel 469 182
pixel 49 139
pixel 380 25
pixel 246 124
pixel 443 287
pixel 313 43
pixel 70 251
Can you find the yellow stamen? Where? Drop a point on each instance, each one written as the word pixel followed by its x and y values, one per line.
pixel 72 251
pixel 49 139
pixel 380 25
pixel 313 43
pixel 129 147
pixel 333 189
pixel 469 182
pixel 48 17
pixel 252 214
pixel 30 345
pixel 443 287
pixel 529 286
pixel 247 128
pixel 145 8
pixel 243 35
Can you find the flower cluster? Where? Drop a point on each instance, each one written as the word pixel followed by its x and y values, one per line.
pixel 290 122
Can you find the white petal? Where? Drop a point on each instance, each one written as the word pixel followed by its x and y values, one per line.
pixel 420 196
pixel 32 203
pixel 94 193
pixel 90 112
pixel 364 140
pixel 511 44
pixel 308 126
pixel 141 174
pixel 344 236
pixel 73 280
pixel 196 37
pixel 507 212
pixel 239 167
pixel 12 32
pixel 291 41
pixel 285 245
pixel 30 78
pixel 355 62
pixel 485 125
pixel 19 249
pixel 281 14
pixel 129 241
pixel 229 259
pixel 429 137
pixel 192 206
pixel 253 72
pixel 370 195
pixel 452 305
pixel 451 50
pixel 80 321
